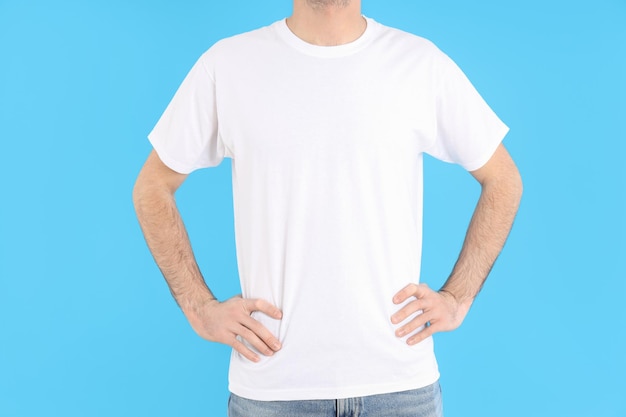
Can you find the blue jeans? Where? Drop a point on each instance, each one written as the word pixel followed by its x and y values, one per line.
pixel 422 402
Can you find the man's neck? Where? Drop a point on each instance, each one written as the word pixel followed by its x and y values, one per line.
pixel 327 25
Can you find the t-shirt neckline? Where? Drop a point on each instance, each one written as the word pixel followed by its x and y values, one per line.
pixel 319 51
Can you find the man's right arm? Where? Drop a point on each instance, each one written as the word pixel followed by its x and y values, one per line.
pixel 166 236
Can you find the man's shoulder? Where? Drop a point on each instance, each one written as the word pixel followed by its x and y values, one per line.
pixel 404 47
pixel 400 37
pixel 245 40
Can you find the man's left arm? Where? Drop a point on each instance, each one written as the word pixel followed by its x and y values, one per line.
pixel 444 310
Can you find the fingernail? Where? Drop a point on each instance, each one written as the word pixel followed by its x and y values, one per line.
pixel 276 346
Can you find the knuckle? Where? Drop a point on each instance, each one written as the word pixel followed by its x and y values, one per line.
pixel 233 344
pixel 245 307
pixel 247 353
pixel 222 336
pixel 247 334
pixel 262 333
pixel 409 327
pixel 267 337
pixel 254 325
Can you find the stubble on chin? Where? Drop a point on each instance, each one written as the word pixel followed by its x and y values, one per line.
pixel 323 4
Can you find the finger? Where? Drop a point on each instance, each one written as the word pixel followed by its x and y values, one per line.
pixel 404 293
pixel 252 338
pixel 410 308
pixel 263 334
pixel 411 290
pixel 244 351
pixel 421 335
pixel 264 307
pixel 414 324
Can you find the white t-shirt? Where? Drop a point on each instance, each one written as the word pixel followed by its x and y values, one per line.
pixel 326 146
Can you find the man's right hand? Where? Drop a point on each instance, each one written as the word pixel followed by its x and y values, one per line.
pixel 167 238
pixel 223 321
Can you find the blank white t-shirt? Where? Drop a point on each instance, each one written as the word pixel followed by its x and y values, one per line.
pixel 326 146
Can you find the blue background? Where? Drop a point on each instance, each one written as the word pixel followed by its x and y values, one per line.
pixel 87 325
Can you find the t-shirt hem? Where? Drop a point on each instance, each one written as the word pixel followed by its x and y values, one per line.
pixel 310 393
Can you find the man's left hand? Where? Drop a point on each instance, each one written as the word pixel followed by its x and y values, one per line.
pixel 441 312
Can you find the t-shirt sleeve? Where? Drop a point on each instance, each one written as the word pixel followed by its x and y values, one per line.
pixel 186 136
pixel 467 130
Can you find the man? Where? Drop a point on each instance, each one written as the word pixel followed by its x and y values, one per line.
pixel 326 116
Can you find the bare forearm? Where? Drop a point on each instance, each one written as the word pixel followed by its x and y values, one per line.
pixel 168 241
pixel 493 217
pixel 486 235
pixel 224 322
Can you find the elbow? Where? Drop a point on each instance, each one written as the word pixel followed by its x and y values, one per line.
pixel 517 186
pixel 143 194
pixel 507 187
pixel 137 193
pixel 149 194
pixel 510 182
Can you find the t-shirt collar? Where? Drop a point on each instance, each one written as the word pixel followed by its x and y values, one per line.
pixel 319 51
